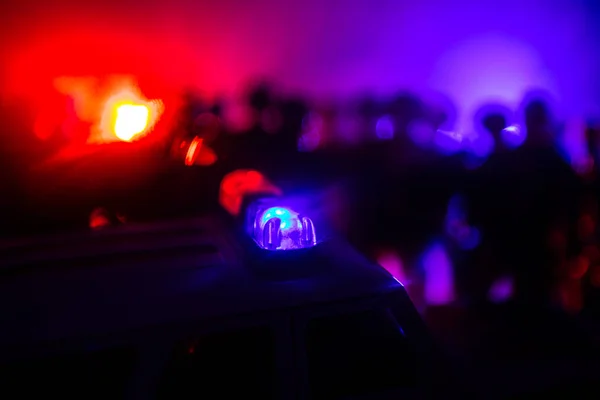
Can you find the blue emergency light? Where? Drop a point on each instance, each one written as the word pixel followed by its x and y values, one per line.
pixel 281 228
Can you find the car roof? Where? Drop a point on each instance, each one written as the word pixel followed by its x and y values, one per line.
pixel 139 275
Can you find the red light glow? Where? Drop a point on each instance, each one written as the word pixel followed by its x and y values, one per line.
pixel 99 219
pixel 193 150
pixel 199 153
pixel 97 110
pixel 241 183
pixel 579 267
pixel 128 116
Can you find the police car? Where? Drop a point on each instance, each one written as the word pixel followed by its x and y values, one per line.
pixel 265 305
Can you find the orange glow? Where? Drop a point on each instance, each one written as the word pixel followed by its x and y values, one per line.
pixel 128 116
pixel 241 183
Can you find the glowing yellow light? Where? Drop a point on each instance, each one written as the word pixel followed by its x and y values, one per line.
pixel 131 120
pixel 127 116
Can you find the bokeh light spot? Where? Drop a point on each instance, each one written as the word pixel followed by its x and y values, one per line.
pixel 513 136
pixel 385 128
pixel 501 290
pixel 127 116
pixel 131 120
pixel 439 275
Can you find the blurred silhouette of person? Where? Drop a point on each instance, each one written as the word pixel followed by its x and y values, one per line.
pixel 498 120
pixel 406 108
pixel 495 123
pixel 270 145
pixel 293 111
pixel 522 197
pixel 540 124
pixel 402 192
pixel 193 106
pixel 409 113
pixel 248 148
pixel 256 146
pixel 260 97
pixel 526 204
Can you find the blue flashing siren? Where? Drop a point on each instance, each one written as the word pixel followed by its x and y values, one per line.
pixel 268 222
pixel 280 228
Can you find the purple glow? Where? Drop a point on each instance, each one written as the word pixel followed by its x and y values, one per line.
pixel 385 128
pixel 574 146
pixel 421 132
pixel 466 237
pixel 312 131
pixel 439 275
pixel 480 145
pixel 393 264
pixel 448 142
pixel 471 240
pixel 348 127
pixel 456 208
pixel 447 46
pixel 501 290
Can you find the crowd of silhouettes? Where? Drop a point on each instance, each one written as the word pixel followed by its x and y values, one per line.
pixel 535 214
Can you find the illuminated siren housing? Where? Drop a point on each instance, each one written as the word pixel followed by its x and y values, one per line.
pixel 280 228
pixel 273 221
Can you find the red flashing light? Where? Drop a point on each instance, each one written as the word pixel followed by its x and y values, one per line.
pixel 128 116
pixel 241 183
